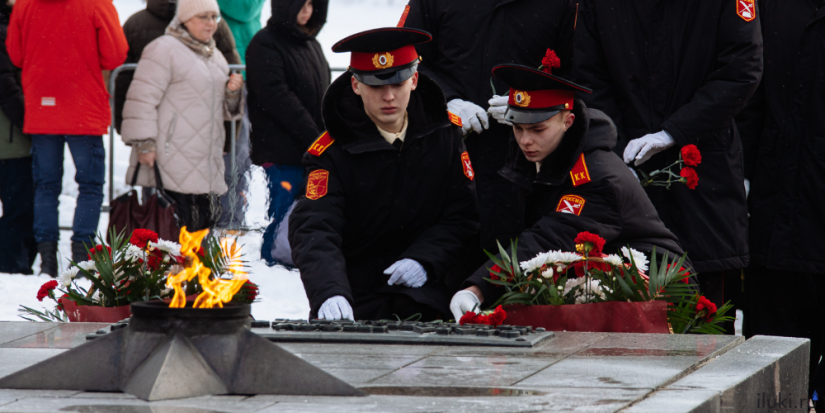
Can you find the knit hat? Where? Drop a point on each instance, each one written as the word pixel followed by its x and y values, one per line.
pixel 188 9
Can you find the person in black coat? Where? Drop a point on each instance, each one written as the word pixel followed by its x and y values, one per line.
pixel 569 180
pixel 287 75
pixel 390 206
pixel 670 74
pixel 470 37
pixel 783 131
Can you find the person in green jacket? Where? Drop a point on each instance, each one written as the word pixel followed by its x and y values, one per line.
pixel 244 19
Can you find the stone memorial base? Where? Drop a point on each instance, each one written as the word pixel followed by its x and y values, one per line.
pixel 592 372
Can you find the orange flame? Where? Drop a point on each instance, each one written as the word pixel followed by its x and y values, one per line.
pixel 216 291
pixel 286 185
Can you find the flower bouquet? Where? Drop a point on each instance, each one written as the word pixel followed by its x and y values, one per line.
pixel 689 158
pixel 588 290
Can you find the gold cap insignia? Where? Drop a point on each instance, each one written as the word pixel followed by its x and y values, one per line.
pixel 522 98
pixel 382 61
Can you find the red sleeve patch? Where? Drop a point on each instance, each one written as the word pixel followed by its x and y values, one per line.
pixel 468 166
pixel 404 15
pixel 746 9
pixel 571 204
pixel 317 184
pixel 321 144
pixel 455 119
pixel 579 174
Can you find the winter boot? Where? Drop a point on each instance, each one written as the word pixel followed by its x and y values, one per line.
pixel 48 258
pixel 79 252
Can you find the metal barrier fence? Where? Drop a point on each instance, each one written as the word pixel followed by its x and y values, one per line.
pixel 131 67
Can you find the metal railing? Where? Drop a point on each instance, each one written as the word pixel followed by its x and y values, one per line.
pixel 132 67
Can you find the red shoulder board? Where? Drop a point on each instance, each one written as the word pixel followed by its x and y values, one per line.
pixel 579 174
pixel 321 144
pixel 455 119
pixel 403 19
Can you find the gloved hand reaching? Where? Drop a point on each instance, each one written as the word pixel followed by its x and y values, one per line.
pixel 498 108
pixel 472 116
pixel 407 272
pixel 335 308
pixel 641 149
pixel 463 301
pixel 747 187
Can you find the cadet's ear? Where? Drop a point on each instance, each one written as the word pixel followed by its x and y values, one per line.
pixel 568 120
pixel 355 85
pixel 414 81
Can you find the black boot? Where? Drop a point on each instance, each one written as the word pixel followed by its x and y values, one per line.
pixel 79 251
pixel 48 258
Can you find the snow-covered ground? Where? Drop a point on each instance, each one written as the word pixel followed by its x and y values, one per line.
pixel 282 294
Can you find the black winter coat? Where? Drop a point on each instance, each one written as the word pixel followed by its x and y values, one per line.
pixel 11 91
pixel 470 37
pixel 614 206
pixel 686 67
pixel 288 75
pixel 383 205
pixel 785 140
pixel 147 25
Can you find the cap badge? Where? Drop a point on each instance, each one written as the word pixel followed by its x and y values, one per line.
pixel 522 98
pixel 382 61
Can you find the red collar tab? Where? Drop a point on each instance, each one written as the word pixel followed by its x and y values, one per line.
pixel 321 144
pixel 371 62
pixel 541 99
pixel 579 174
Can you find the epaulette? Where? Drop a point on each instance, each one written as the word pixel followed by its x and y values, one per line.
pixel 455 119
pixel 321 144
pixel 579 174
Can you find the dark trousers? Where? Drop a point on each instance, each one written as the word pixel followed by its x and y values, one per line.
pixel 196 211
pixel 17 246
pixel 788 304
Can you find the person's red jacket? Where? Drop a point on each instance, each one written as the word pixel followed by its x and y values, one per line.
pixel 63 46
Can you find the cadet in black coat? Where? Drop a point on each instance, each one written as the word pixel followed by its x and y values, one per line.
pixel 783 132
pixel 372 206
pixel 469 38
pixel 675 73
pixel 580 186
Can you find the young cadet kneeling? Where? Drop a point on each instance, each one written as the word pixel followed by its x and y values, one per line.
pixel 390 202
pixel 571 180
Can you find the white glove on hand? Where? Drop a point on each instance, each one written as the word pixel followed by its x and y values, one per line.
pixel 407 272
pixel 335 308
pixel 462 302
pixel 641 149
pixel 472 116
pixel 747 187
pixel 498 108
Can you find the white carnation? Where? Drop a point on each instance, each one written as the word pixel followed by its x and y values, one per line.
pixel 566 257
pixel 614 260
pixel 536 263
pixel 134 253
pixel 548 273
pixel 639 258
pixel 88 266
pixel 67 276
pixel 168 247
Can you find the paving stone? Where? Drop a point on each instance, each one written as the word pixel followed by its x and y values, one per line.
pixel 563 344
pixel 16 330
pixel 14 359
pixel 23 394
pixel 678 401
pixel 357 376
pixel 65 335
pixel 360 361
pixel 366 349
pixel 660 345
pixel 464 371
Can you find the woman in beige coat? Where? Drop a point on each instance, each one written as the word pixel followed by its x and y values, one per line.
pixel 181 94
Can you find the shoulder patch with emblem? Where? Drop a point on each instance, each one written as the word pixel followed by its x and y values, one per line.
pixel 579 174
pixel 321 144
pixel 746 9
pixel 317 184
pixel 455 119
pixel 571 204
pixel 467 165
pixel 403 20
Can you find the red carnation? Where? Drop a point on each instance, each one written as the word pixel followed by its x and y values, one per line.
pixel 155 259
pixel 468 318
pixel 596 242
pixel 141 237
pixel 251 290
pixel 497 317
pixel 97 249
pixel 705 309
pixel 497 269
pixel 550 62
pixel 691 155
pixel 46 289
pixel 689 177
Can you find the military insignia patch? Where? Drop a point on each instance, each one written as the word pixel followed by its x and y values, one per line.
pixel 317 184
pixel 454 119
pixel 321 144
pixel 382 61
pixel 571 204
pixel 579 174
pixel 746 9
pixel 404 15
pixel 468 167
pixel 522 98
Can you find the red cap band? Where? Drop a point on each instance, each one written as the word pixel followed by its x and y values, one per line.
pixel 541 99
pixel 371 62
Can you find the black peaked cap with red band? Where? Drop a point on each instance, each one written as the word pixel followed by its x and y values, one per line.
pixel 383 56
pixel 535 96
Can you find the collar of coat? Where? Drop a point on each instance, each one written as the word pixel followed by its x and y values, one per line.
pixel 349 125
pixel 177 30
pixel 592 130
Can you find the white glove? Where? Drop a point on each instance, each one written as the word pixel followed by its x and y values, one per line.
pixel 335 308
pixel 747 187
pixel 498 108
pixel 407 272
pixel 635 175
pixel 472 116
pixel 462 302
pixel 641 149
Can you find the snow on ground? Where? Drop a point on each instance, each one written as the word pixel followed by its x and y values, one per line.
pixel 282 293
